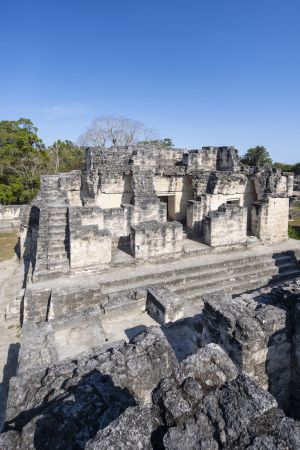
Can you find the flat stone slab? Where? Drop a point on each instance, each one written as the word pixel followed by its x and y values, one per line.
pixel 163 305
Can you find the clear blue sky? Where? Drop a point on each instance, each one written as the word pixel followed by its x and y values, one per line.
pixel 203 72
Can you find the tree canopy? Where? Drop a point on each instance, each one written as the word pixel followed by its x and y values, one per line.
pixel 257 156
pixel 288 167
pixel 22 158
pixel 65 156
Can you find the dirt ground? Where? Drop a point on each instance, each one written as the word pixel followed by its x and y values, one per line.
pixel 295 222
pixel 8 245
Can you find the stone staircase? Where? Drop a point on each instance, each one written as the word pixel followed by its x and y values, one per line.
pixel 58 240
pixel 53 235
pixel 235 275
pixel 53 243
pixel 51 194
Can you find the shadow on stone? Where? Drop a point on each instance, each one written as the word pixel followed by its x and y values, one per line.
pixel 134 331
pixel 9 371
pixel 184 335
pixel 71 419
pixel 30 243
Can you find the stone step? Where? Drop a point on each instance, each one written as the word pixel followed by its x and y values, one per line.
pixel 185 272
pixel 57 256
pixel 259 281
pixel 60 265
pixel 45 274
pixel 291 266
pixel 215 276
pixel 55 232
pixel 222 281
pixel 227 270
pixel 57 228
pixel 56 214
pixel 57 246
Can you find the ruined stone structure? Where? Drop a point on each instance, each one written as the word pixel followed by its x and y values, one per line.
pixel 147 199
pixel 142 325
pixel 142 395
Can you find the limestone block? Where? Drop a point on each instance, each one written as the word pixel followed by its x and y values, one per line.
pixel 153 239
pixel 10 217
pixel 226 226
pixel 270 219
pixel 254 336
pixel 163 306
pixel 90 246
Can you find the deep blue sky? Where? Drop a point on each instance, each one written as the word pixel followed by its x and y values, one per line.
pixel 203 72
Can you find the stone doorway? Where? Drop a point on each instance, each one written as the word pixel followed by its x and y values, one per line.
pixel 250 196
pixel 170 201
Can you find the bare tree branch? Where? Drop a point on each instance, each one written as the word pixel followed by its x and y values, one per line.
pixel 106 131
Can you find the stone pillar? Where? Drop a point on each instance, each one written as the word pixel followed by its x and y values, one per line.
pixel 269 219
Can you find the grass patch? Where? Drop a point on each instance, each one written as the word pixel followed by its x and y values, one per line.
pixel 294 231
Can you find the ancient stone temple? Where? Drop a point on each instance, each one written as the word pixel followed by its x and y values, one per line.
pixel 150 199
pixel 159 308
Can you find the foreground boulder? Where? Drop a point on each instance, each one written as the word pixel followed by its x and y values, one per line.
pixel 64 406
pixel 99 401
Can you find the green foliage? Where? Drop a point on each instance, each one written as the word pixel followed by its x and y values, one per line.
pixel 257 156
pixel 288 167
pixel 22 158
pixel 294 232
pixel 65 156
pixel 167 142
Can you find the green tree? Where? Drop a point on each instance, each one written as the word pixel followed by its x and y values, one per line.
pixel 288 167
pixel 257 156
pixel 22 159
pixel 65 156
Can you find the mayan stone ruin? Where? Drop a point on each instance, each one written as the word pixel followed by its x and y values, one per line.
pixel 159 308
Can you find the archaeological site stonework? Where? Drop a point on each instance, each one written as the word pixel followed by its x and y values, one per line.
pixel 159 308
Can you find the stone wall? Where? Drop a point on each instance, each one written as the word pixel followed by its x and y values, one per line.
pixel 152 239
pixel 115 221
pixel 270 219
pixel 89 245
pixel 255 337
pixel 10 217
pixel 226 226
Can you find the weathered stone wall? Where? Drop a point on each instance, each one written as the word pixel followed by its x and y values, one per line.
pixel 296 186
pixel 226 226
pixel 179 190
pixel 89 245
pixel 256 338
pixel 113 192
pixel 115 221
pixel 10 217
pixel 194 217
pixel 152 239
pixel 270 219
pixel 70 184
